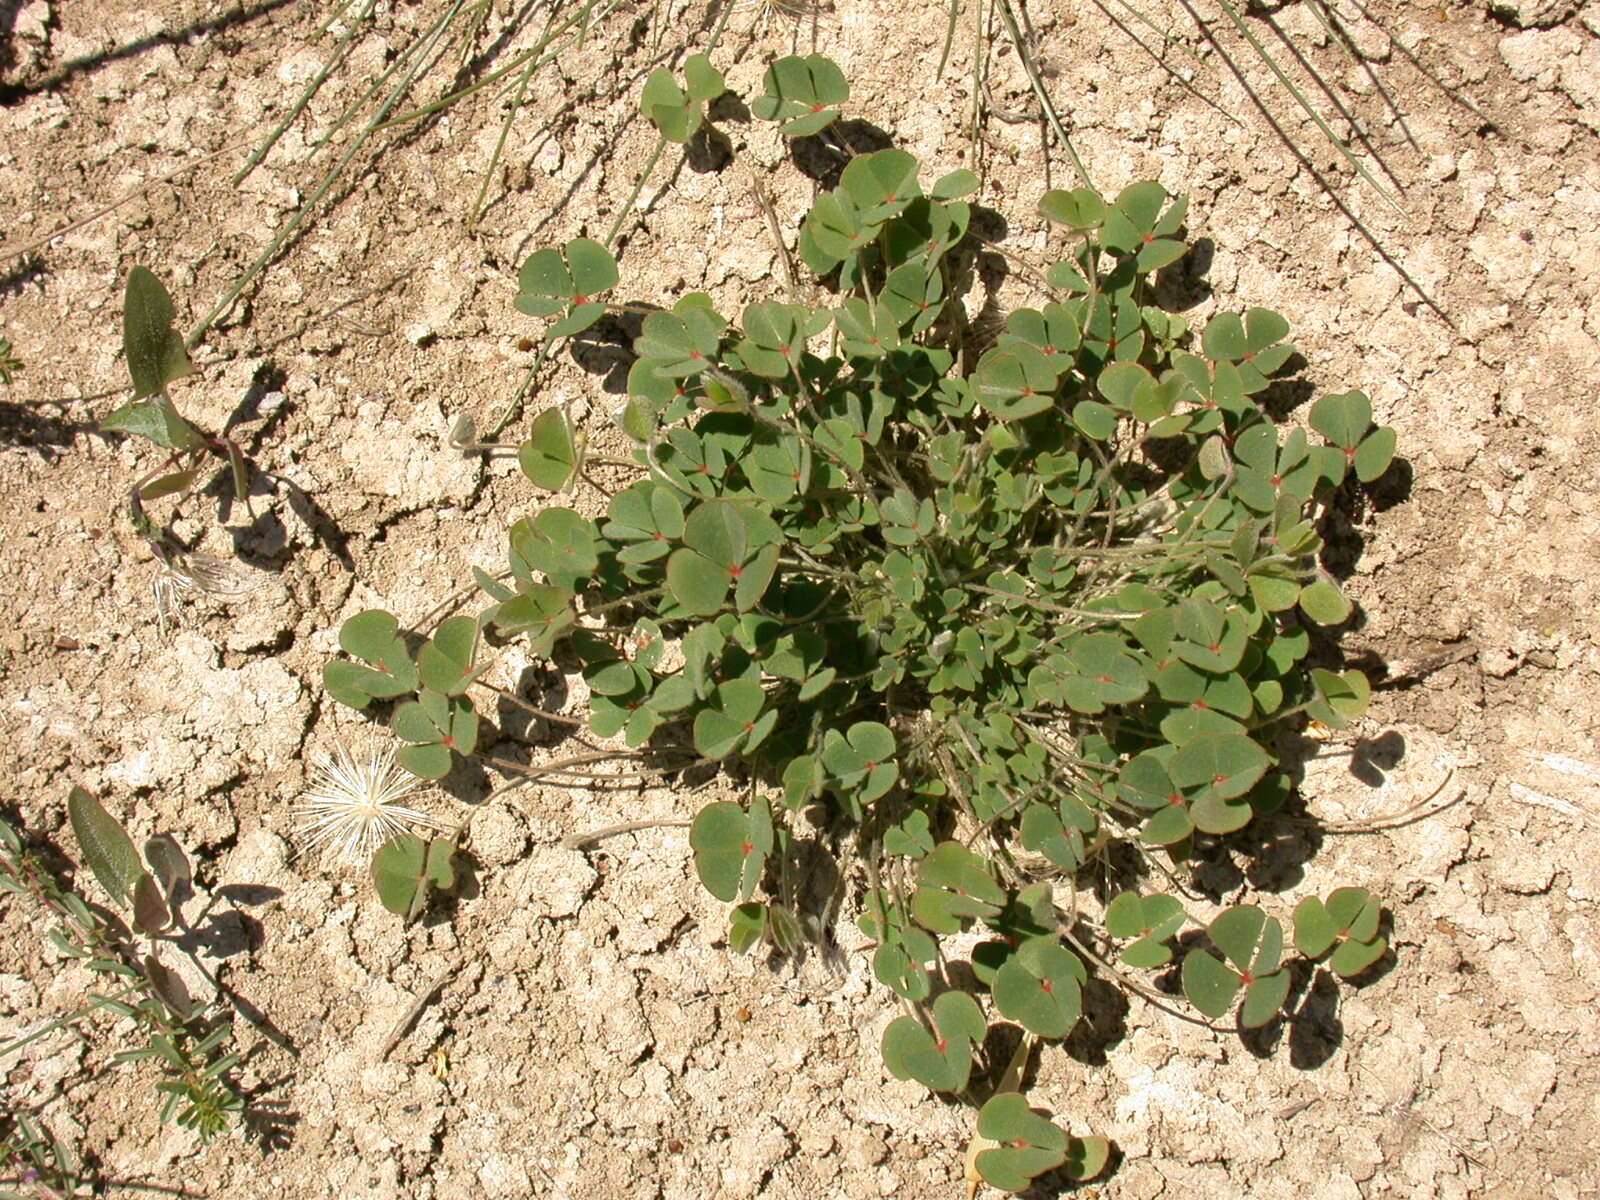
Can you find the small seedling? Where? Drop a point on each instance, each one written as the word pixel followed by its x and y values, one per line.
pixel 10 364
pixel 156 357
pixel 187 1043
pixel 991 607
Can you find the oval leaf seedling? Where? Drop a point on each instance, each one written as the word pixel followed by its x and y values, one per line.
pixel 106 845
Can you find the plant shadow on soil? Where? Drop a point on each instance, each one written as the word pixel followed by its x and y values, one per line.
pixel 12 93
pixel 264 541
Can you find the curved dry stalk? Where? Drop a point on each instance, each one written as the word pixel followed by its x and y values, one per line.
pixel 1337 142
pixel 542 714
pixel 1420 811
pixel 576 841
pixel 1017 40
pixel 1321 179
pixel 1149 996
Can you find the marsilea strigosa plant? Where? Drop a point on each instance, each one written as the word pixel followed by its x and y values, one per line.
pixel 999 619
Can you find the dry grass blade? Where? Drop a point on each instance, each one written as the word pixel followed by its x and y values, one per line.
pixel 426 44
pixel 1340 33
pixel 1334 98
pixel 1427 72
pixel 347 43
pixel 1166 36
pixel 1014 32
pixel 1322 180
pixel 1338 143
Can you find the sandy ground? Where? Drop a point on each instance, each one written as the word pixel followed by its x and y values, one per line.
pixel 598 1039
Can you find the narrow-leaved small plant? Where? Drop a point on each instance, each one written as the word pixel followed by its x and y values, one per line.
pixel 188 1043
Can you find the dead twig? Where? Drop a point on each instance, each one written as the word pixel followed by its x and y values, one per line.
pixel 403 1026
pixel 1428 666
pixel 578 840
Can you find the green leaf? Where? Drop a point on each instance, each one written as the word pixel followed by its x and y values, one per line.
pixel 155 419
pixel 954 886
pixel 1253 943
pixel 1151 920
pixel 1353 957
pixel 954 185
pixel 552 281
pixel 1239 933
pixel 705 81
pixel 1080 209
pixel 106 845
pixel 833 231
pixel 681 343
pixel 559 543
pixel 1015 382
pixel 438 725
pixel 1086 1158
pixel 541 610
pixel 912 838
pixel 1346 923
pixel 1343 418
pixel 1324 603
pixel 1041 986
pixel 941 1063
pixel 668 107
pixel 151 913
pixel 697 583
pixel 880 184
pixel 1209 984
pixel 864 759
pixel 1029 1145
pixel 1263 999
pixel 1044 832
pixel 718 840
pixel 1095 419
pixel 167 485
pixel 374 636
pixel 1376 452
pixel 730 847
pixel 405 869
pixel 154 350
pixel 1224 338
pixel 1225 765
pixel 1274 594
pixel 549 456
pixel 734 719
pixel 802 93
pixel 445 663
pixel 369 634
pixel 747 925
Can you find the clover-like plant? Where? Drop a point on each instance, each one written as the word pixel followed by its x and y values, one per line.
pixel 979 610
pixel 406 870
